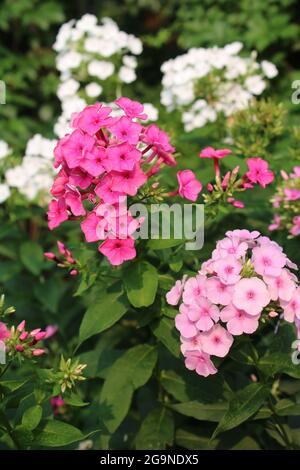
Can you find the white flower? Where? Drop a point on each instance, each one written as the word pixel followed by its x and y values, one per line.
pixel 68 60
pixel 93 89
pixel 86 22
pixel 130 61
pixel 255 84
pixel 134 45
pixel 127 74
pixel 101 69
pixel 151 112
pixel 67 88
pixel 63 35
pixel 270 70
pixel 4 192
pixel 5 150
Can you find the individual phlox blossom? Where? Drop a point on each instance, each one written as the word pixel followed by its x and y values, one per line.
pixel 259 172
pixel 189 186
pixel 247 280
pixel 104 159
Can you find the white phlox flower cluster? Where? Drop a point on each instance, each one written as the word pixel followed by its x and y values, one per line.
pixel 205 84
pixel 5 151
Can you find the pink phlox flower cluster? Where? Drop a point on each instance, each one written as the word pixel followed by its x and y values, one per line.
pixel 248 276
pixel 102 162
pixel 286 203
pixel 258 173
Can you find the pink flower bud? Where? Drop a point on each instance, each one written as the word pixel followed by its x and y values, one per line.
pixel 19 348
pixel 284 175
pixel 226 179
pixel 74 272
pixel 50 331
pixel 50 255
pixel 61 248
pixel 210 187
pixel 39 336
pixel 273 314
pixel 34 332
pixel 21 326
pixel 23 335
pixel 238 204
pixel 236 170
pixel 38 352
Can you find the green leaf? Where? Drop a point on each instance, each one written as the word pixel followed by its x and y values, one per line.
pixel 165 331
pixel 278 362
pixel 162 244
pixel 184 386
pixel 191 441
pixel 141 282
pixel 32 257
pixel 74 400
pixel 202 411
pixel 109 307
pixel 12 385
pixel 242 406
pixel 56 433
pixel 131 371
pixel 156 431
pixel 287 408
pixel 32 417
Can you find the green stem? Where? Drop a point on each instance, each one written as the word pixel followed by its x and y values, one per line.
pixel 10 430
pixel 279 426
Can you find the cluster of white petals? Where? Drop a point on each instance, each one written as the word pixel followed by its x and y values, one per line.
pixel 207 83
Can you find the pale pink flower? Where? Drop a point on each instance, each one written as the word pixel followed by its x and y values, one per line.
pixel 217 341
pixel 194 288
pixel 281 287
pixel 231 247
pixel 228 269
pixel 218 292
pixel 238 321
pixel 189 186
pixel 251 295
pixel 174 295
pixel 275 225
pixel 268 260
pixel 200 362
pixel 295 230
pixel 185 326
pixel 291 309
pixel 190 344
pixel 203 313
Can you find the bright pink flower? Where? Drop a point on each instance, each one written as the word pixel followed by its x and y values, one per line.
pixel 123 157
pixel 217 341
pixel 92 118
pixel 228 269
pixel 194 288
pixel 268 260
pixel 174 295
pixel 126 131
pixel 155 137
pixel 76 146
pixel 79 177
pixel 238 321
pixel 129 182
pixel 57 213
pixel 95 163
pixel 189 186
pixel 59 186
pixel 89 227
pixel 292 194
pixel 118 250
pixel 217 292
pixel 186 327
pixel 259 172
pixel 38 352
pixel 4 332
pixel 203 313
pixel 281 287
pixel 74 202
pixel 210 152
pixel 132 109
pixel 106 192
pixel 200 362
pixel 251 295
pixel 291 309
